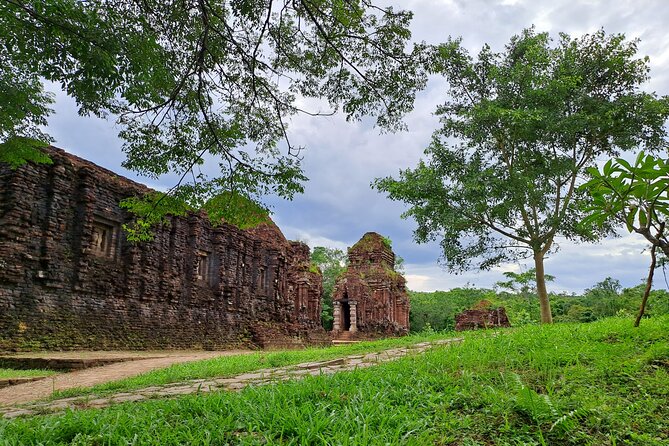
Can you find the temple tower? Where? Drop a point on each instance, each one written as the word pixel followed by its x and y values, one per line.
pixel 370 298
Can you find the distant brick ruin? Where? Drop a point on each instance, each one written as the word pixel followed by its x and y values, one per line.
pixel 370 299
pixel 69 278
pixel 481 318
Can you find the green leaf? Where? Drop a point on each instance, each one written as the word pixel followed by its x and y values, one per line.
pixel 623 162
pixel 643 218
pixel 630 219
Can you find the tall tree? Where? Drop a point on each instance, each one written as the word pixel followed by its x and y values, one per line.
pixel 195 81
pixel 518 130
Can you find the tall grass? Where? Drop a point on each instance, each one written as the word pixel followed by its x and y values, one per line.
pixel 603 383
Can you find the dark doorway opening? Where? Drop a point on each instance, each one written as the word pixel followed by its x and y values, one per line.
pixel 345 316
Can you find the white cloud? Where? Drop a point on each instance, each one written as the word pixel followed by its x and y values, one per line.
pixel 313 240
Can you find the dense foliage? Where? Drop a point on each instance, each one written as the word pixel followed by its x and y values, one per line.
pixel 204 81
pixel 518 130
pixel 332 263
pixel 604 383
pixel 437 310
pixel 635 196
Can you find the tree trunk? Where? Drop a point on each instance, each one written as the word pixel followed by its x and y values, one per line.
pixel 649 284
pixel 544 303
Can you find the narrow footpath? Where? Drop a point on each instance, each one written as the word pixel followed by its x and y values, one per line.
pixel 44 388
pixel 11 408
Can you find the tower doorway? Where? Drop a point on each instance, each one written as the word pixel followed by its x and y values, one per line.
pixel 345 316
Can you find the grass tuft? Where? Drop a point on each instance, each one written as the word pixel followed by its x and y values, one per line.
pixel 11 373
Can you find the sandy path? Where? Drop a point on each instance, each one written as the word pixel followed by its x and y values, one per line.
pixel 24 393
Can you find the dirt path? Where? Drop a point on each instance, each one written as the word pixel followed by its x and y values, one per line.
pixel 24 393
pixel 235 383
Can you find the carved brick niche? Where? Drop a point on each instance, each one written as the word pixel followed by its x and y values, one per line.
pixel 204 266
pixel 104 237
pixel 263 279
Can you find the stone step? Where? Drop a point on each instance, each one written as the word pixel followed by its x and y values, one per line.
pixel 62 364
pixel 344 341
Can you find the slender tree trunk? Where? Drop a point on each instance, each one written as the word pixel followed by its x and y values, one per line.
pixel 649 284
pixel 544 303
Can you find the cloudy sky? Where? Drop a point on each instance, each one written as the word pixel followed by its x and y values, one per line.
pixel 342 158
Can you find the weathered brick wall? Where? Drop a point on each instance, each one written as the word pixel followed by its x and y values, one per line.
pixel 69 279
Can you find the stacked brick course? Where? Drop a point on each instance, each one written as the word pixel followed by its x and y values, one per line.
pixel 69 279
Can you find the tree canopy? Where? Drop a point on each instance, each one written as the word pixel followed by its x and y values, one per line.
pixel 519 128
pixel 198 81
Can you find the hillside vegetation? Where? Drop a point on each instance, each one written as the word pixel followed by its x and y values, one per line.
pixel 602 383
pixel 437 310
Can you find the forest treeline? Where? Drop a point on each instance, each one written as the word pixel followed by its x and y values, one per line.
pixel 437 310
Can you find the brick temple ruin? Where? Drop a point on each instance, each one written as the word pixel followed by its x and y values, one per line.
pixel 69 278
pixel 481 317
pixel 370 298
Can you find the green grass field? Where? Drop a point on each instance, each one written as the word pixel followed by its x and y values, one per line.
pixel 603 383
pixel 11 373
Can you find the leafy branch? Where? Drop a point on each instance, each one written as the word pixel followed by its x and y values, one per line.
pixel 636 197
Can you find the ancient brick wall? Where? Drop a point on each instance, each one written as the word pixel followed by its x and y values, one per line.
pixel 371 298
pixel 70 279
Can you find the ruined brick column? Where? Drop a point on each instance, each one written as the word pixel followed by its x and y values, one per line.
pixel 336 326
pixel 482 317
pixel 354 316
